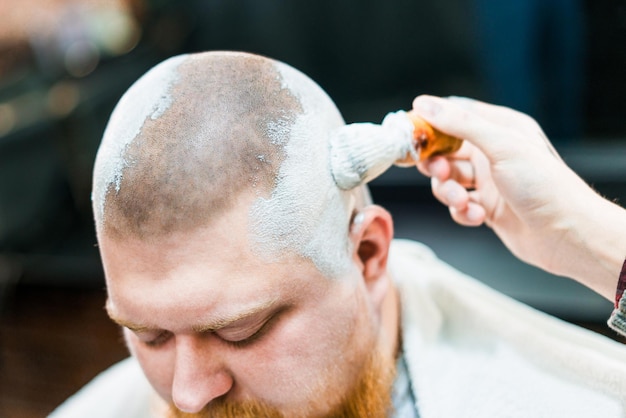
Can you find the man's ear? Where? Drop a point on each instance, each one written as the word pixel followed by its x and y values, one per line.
pixel 371 232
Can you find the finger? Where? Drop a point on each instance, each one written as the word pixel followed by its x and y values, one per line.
pixel 501 115
pixel 461 171
pixel 492 138
pixel 450 193
pixel 472 215
pixel 437 165
pixel 505 116
pixel 465 152
pixel 463 210
pixel 424 168
pixel 434 167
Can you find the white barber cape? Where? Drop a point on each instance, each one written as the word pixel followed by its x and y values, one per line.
pixel 470 352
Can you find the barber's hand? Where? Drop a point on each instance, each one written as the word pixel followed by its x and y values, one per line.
pixel 508 175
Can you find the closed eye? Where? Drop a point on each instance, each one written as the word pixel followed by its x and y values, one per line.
pixel 243 339
pixel 157 341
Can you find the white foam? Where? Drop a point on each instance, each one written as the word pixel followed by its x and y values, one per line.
pixel 360 152
pixel 306 212
pixel 148 97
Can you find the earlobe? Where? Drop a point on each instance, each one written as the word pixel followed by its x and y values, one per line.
pixel 371 233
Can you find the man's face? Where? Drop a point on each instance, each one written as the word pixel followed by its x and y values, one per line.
pixel 210 320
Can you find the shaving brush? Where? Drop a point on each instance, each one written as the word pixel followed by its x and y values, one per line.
pixel 360 152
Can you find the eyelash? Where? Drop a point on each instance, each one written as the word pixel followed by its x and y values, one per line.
pixel 159 340
pixel 254 337
pixel 165 336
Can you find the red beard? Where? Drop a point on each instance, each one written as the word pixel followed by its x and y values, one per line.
pixel 369 397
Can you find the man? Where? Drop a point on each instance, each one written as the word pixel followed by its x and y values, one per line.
pixel 248 284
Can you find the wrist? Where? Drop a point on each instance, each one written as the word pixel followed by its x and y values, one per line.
pixel 595 245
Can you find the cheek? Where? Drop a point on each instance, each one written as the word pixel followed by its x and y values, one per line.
pixel 311 356
pixel 157 365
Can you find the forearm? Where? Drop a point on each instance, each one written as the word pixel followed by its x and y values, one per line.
pixel 594 247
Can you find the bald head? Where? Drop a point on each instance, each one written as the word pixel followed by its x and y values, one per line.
pixel 207 139
pixel 197 131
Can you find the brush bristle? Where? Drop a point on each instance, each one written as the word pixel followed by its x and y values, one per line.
pixel 360 152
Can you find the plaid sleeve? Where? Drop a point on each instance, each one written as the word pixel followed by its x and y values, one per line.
pixel 617 321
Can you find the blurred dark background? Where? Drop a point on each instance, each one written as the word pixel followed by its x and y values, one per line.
pixel 65 63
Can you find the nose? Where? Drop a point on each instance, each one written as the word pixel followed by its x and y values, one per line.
pixel 199 376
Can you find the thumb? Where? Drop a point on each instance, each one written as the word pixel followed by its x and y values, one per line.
pixel 459 118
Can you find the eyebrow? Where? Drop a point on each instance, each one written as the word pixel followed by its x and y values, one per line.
pixel 217 324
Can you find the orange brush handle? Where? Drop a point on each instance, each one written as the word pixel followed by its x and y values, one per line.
pixel 429 141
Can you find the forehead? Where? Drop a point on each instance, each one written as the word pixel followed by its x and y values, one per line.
pixel 212 269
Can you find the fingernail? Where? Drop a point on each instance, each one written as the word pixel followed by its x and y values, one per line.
pixel 427 106
pixel 475 214
pixel 462 101
pixel 454 198
pixel 469 99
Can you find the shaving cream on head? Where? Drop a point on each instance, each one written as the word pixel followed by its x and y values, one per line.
pixel 147 99
pixel 360 152
pixel 306 213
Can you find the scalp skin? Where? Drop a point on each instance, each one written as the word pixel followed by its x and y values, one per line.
pixel 187 166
